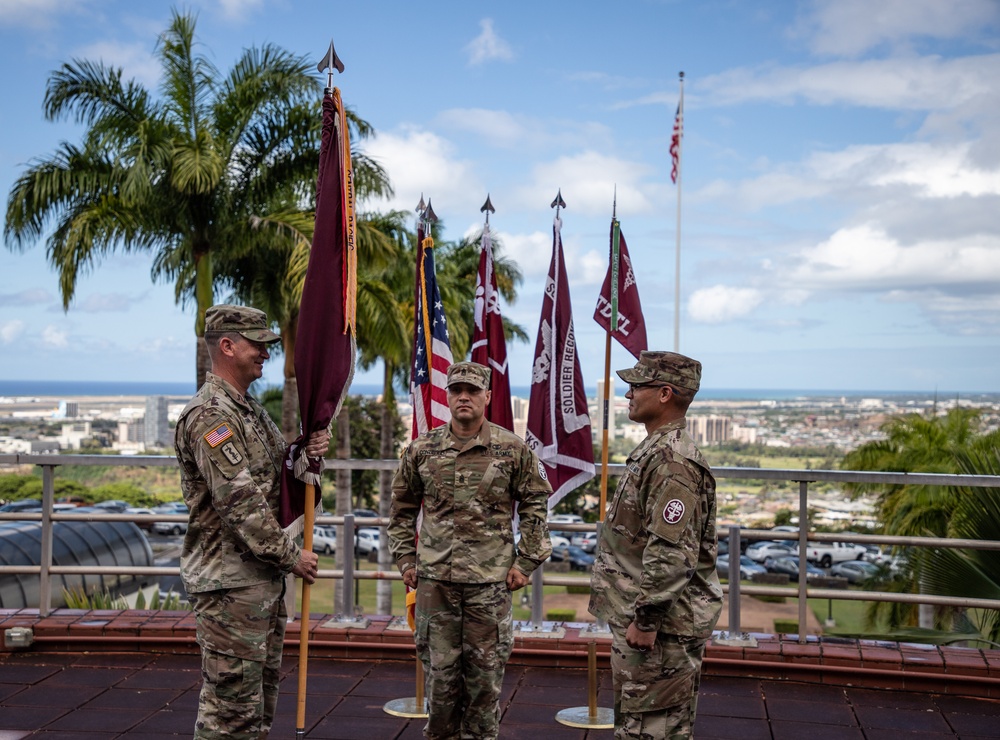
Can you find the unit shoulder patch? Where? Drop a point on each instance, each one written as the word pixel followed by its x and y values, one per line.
pixel 672 512
pixel 232 454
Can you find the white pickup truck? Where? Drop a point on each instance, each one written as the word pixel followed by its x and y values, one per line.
pixel 826 554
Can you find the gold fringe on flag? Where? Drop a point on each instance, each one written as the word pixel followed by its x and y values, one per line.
pixel 350 221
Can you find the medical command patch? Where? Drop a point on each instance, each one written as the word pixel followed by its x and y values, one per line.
pixel 218 435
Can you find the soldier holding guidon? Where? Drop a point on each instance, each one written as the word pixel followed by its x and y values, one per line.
pixel 235 554
pixel 467 475
pixel 654 579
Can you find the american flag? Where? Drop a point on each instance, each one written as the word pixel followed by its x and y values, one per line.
pixel 218 435
pixel 431 350
pixel 675 142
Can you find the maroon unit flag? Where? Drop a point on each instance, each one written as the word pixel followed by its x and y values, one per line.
pixel 675 142
pixel 558 421
pixel 631 329
pixel 431 348
pixel 489 346
pixel 325 345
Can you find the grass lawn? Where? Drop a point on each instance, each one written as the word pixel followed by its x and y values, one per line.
pixel 848 615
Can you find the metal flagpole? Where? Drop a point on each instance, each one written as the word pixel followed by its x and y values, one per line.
pixel 677 262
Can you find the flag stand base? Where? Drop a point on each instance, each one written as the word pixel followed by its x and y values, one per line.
pixel 406 708
pixel 604 719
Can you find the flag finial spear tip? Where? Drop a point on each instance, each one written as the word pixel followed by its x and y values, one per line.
pixel 329 63
pixel 558 202
pixel 421 206
pixel 429 216
pixel 488 208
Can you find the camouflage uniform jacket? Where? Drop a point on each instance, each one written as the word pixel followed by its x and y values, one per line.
pixel 230 454
pixel 468 494
pixel 656 555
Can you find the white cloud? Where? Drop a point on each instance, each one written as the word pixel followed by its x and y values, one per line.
pixel 721 303
pixel 423 163
pixel 55 337
pixel 488 46
pixel 864 257
pixel 136 60
pixel 588 181
pixel 25 297
pixel 36 13
pixel 852 27
pixel 508 130
pixel 11 330
pixel 967 314
pixel 238 9
pixel 905 83
pixel 98 303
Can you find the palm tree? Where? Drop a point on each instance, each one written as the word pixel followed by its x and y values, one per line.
pixel 915 444
pixel 184 177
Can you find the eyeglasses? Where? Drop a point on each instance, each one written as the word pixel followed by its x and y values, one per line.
pixel 636 386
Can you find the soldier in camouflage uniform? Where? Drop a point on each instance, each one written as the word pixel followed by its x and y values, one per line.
pixel 654 578
pixel 467 476
pixel 235 554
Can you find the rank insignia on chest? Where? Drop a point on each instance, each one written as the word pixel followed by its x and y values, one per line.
pixel 218 435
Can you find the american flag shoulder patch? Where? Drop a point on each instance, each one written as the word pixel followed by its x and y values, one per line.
pixel 218 435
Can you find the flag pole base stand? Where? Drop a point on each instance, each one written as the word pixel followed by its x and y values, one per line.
pixel 604 719
pixel 406 708
pixel 545 630
pixel 596 630
pixel 398 624
pixel 340 622
pixel 734 639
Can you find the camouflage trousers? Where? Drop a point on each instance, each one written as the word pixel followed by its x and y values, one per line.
pixel 656 693
pixel 241 632
pixel 463 638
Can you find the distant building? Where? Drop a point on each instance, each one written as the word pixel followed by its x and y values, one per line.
pixel 68 410
pixel 519 407
pixel 710 430
pixel 156 432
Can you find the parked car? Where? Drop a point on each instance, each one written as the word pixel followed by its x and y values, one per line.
pixel 112 505
pixel 586 541
pixel 855 571
pixel 27 504
pixel 761 551
pixel 172 508
pixel 565 519
pixel 723 546
pixel 366 540
pixel 145 526
pixel 324 540
pixel 578 559
pixel 365 513
pixel 790 567
pixel 828 553
pixel 748 568
pixel 558 540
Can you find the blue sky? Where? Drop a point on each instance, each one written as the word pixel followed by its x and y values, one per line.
pixel 840 182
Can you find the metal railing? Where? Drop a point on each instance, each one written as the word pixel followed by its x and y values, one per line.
pixel 46 569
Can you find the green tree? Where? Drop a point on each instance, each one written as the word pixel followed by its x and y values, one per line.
pixel 915 443
pixel 183 177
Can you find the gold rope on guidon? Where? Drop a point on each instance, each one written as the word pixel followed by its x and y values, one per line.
pixel 350 223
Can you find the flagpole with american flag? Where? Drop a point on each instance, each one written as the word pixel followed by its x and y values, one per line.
pixel 676 144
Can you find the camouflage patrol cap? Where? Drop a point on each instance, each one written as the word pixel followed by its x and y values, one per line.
pixel 664 367
pixel 469 372
pixel 250 322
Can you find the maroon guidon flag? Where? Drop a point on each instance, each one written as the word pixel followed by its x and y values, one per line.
pixel 631 329
pixel 489 347
pixel 325 343
pixel 558 421
pixel 431 347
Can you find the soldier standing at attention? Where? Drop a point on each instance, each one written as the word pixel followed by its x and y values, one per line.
pixel 467 475
pixel 235 554
pixel 654 579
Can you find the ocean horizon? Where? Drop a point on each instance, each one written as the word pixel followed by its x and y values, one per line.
pixel 71 388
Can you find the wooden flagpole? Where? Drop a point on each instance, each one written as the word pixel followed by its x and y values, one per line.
pixel 307 541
